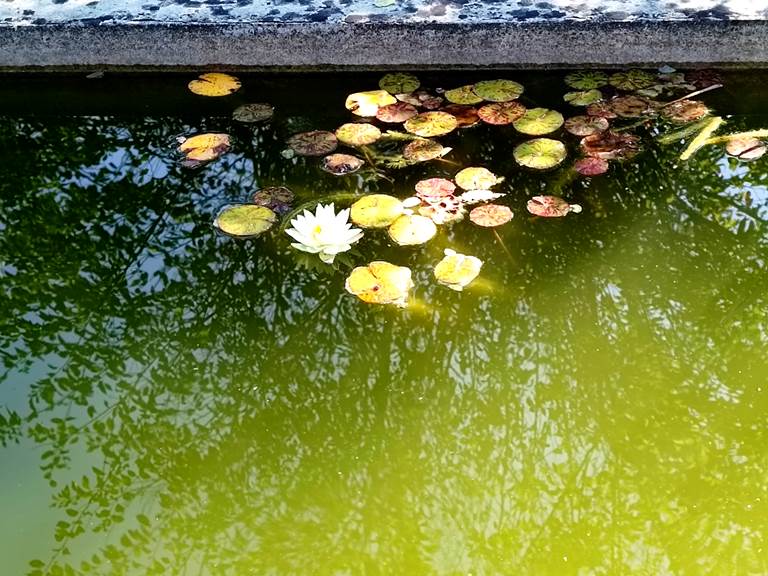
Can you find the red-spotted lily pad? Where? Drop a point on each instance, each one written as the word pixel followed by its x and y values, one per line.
pixel 684 111
pixel 429 124
pixel 466 116
pixel 498 90
pixel 551 206
pixel 538 121
pixel 276 198
pixel 443 210
pixel 357 134
pixel 368 103
pixel 745 148
pixel 583 98
pixel 632 106
pixel 540 153
pixel 490 215
pixel 610 145
pixel 586 125
pixel 601 110
pixel 434 188
pixel 476 178
pixel 244 220
pixel 632 80
pixel 463 95
pixel 399 83
pixel 314 143
pixel 591 166
pixel 423 150
pixel 501 113
pixel 396 113
pixel 340 164
pixel 253 113
pixel 586 79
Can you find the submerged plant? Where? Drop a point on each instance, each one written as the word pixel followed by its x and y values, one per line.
pixel 324 233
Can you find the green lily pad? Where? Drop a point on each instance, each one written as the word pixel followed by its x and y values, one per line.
pixel 583 98
pixel 632 80
pixel 341 164
pixel 399 83
pixel 244 220
pixel 498 90
pixel 376 211
pixel 540 153
pixel 491 215
pixel 380 283
pixel 466 116
pixel 476 178
pixel 551 206
pixel 314 143
pixel 396 113
pixel 501 113
pixel 368 103
pixel 463 95
pixel 253 113
pixel 538 121
pixel 429 124
pixel 412 229
pixel 586 79
pixel 457 270
pixel 586 125
pixel 423 150
pixel 357 134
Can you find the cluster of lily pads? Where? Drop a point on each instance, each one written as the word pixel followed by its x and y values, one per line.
pixel 397 125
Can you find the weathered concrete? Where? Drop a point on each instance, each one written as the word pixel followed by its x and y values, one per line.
pixel 359 33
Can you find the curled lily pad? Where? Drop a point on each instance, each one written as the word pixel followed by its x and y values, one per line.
pixel 477 196
pixel 368 103
pixel 632 106
pixel 214 84
pixel 466 116
pixel 380 283
pixel 357 134
pixel 412 229
pixel 376 211
pixel 253 113
pixel 429 124
pixel 610 145
pixel 601 110
pixel 745 148
pixel 463 95
pixel 204 148
pixel 684 111
pixel 591 166
pixel 586 125
pixel 490 215
pixel 276 198
pixel 423 150
pixel 501 113
pixel 314 143
pixel 540 153
pixel 551 206
pixel 583 98
pixel 435 188
pixel 399 83
pixel 396 113
pixel 632 80
pixel 586 79
pixel 457 270
pixel 340 164
pixel 477 178
pixel 244 220
pixel 538 121
pixel 498 90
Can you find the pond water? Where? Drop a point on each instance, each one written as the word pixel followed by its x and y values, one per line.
pixel 176 401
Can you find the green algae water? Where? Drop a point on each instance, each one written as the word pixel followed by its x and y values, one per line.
pixel 174 401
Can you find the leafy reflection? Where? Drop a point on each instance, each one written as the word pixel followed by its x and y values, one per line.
pixel 597 409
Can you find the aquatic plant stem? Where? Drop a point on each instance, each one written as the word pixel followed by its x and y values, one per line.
pixel 692 94
pixel 701 139
pixel 504 246
pixel 761 133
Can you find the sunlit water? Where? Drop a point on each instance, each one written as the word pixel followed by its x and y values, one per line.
pixel 177 402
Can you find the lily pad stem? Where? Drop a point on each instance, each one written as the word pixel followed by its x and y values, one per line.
pixel 692 94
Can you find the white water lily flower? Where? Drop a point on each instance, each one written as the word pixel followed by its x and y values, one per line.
pixel 324 233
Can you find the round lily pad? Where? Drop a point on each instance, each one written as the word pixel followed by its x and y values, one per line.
pixel 314 143
pixel 538 121
pixel 357 134
pixel 457 270
pixel 276 198
pixel 428 124
pixel 586 79
pixel 433 188
pixel 586 125
pixel 583 98
pixel 380 283
pixel 703 78
pixel 745 148
pixel 551 206
pixel 340 164
pixel 632 80
pixel 368 103
pixel 490 215
pixel 501 113
pixel 214 84
pixel 602 110
pixel 463 95
pixel 476 178
pixel 631 106
pixel 376 211
pixel 399 83
pixel 540 153
pixel 610 145
pixel 591 166
pixel 685 111
pixel 204 147
pixel 253 113
pixel 498 90
pixel 423 150
pixel 396 113
pixel 412 229
pixel 422 98
pixel 466 116
pixel 244 220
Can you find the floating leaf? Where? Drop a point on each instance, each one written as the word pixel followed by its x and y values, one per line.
pixel 423 150
pixel 684 111
pixel 457 270
pixel 244 220
pixel 422 98
pixel 428 124
pixel 490 215
pixel 632 106
pixel 357 134
pixel 434 188
pixel 632 80
pixel 586 125
pixel 586 80
pixel 476 178
pixel 412 229
pixel 501 113
pixel 601 110
pixel 476 196
pixel 463 95
pixel 442 210
pixel 276 198
pixel 376 211
pixel 314 143
pixel 204 148
pixel 538 121
pixel 396 113
pixel 583 98
pixel 745 148
pixel 399 83
pixel 591 166
pixel 551 206
pixel 340 164
pixel 214 84
pixel 540 153
pixel 610 145
pixel 252 113
pixel 368 103
pixel 703 78
pixel 466 116
pixel 498 90
pixel 380 283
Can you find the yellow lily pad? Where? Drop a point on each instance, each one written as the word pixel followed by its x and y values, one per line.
pixel 498 90
pixel 476 178
pixel 538 121
pixel 244 220
pixel 368 103
pixel 376 211
pixel 214 84
pixel 540 153
pixel 429 124
pixel 412 229
pixel 357 134
pixel 380 283
pixel 204 147
pixel 463 95
pixel 457 270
